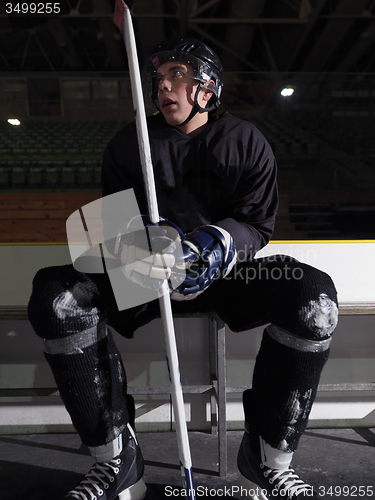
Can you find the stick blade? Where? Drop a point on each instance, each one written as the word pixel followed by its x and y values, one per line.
pixel 120 7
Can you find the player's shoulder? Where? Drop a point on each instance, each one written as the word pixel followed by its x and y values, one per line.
pixel 235 127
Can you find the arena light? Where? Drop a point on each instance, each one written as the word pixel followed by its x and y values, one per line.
pixel 287 91
pixel 14 121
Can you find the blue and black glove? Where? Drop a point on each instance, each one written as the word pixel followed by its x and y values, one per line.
pixel 208 254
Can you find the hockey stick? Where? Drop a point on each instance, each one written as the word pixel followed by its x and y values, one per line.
pixel 123 21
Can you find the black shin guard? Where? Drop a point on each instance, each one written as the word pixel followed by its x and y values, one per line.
pixel 68 312
pixel 92 384
pixel 285 382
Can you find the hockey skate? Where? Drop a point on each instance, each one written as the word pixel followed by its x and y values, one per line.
pixel 117 479
pixel 265 483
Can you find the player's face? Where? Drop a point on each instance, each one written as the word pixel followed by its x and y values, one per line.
pixel 176 91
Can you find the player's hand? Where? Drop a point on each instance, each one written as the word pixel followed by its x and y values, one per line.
pixel 208 254
pixel 146 251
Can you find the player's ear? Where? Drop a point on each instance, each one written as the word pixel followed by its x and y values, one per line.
pixel 207 95
pixel 207 92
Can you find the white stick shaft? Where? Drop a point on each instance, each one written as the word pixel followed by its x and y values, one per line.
pixel 164 300
pixel 177 396
pixel 140 116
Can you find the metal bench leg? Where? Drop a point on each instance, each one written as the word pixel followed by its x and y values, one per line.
pixel 213 373
pixel 218 395
pixel 222 397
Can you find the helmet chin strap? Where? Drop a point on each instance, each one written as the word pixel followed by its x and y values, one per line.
pixel 196 107
pixel 193 112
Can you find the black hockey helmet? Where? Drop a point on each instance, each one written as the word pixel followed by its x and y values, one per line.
pixel 205 63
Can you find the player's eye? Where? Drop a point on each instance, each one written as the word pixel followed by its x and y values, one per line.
pixel 174 75
pixel 160 78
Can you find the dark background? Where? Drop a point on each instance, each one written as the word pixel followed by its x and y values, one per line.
pixel 65 77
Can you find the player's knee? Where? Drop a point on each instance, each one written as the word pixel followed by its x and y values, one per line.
pixel 318 309
pixel 306 305
pixel 320 316
pixel 62 302
pixel 307 312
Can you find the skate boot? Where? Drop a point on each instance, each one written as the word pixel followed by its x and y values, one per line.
pixel 117 479
pixel 265 472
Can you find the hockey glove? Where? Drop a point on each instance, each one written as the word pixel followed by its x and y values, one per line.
pixel 208 254
pixel 145 251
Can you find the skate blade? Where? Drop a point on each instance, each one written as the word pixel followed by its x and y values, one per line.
pixel 252 490
pixel 135 492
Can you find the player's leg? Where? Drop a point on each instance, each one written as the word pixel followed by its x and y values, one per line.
pixel 301 304
pixel 68 312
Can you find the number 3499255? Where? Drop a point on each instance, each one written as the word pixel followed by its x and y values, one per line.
pixel 33 8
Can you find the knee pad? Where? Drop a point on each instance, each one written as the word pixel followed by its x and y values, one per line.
pixel 318 311
pixel 320 316
pixel 64 302
pixel 308 307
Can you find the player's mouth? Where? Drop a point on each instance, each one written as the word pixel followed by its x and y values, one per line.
pixel 166 103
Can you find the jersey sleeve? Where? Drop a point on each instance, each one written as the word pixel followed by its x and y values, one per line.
pixel 254 203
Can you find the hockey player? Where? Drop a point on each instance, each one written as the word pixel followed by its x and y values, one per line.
pixel 215 179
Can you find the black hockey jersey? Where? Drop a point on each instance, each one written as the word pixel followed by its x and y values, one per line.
pixel 225 175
